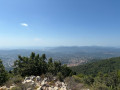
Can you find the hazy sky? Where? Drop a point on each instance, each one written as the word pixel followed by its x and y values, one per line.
pixel 59 23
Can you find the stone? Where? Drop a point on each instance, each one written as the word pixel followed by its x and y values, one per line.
pixel 29 89
pixel 50 88
pixel 3 88
pixel 44 81
pixel 62 88
pixel 27 78
pixel 58 84
pixel 56 88
pixel 38 78
pixel 32 77
pixel 40 88
pixel 12 87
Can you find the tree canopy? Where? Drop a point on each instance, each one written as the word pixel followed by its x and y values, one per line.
pixel 101 75
pixel 104 66
pixel 3 73
pixel 37 65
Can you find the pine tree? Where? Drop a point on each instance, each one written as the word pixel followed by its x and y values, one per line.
pixel 37 65
pixel 3 74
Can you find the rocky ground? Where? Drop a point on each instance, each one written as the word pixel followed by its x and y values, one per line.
pixel 37 83
pixel 40 83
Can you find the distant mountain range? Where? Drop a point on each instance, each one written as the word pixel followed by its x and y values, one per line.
pixel 86 49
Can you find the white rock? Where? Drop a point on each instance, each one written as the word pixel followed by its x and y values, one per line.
pixel 27 78
pixel 40 87
pixel 32 77
pixel 55 88
pixel 43 82
pixel 62 88
pixel 3 88
pixel 38 78
pixel 58 84
pixel 29 89
pixel 50 88
pixel 12 87
pixel 33 84
pixel 45 79
pixel 28 81
pixel 63 84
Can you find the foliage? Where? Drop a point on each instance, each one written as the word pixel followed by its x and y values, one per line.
pixel 14 80
pixel 104 66
pixel 110 81
pixel 88 80
pixel 16 88
pixel 60 76
pixel 3 74
pixel 30 65
pixel 100 75
pixel 72 84
pixel 38 65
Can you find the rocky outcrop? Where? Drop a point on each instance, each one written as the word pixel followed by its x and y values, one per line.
pixel 45 84
pixel 38 83
pixel 6 88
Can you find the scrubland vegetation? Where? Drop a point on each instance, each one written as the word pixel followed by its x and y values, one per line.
pixel 100 75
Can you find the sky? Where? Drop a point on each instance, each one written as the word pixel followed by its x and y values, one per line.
pixel 49 23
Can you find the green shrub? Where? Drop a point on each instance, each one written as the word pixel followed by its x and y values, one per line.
pixel 3 74
pixel 16 88
pixel 15 80
pixel 100 87
pixel 88 80
pixel 60 76
pixel 52 83
pixel 78 79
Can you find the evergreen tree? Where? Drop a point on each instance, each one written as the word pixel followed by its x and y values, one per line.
pixel 37 65
pixel 3 74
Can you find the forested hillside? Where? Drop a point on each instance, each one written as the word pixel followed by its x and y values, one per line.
pixel 103 66
pixel 100 75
